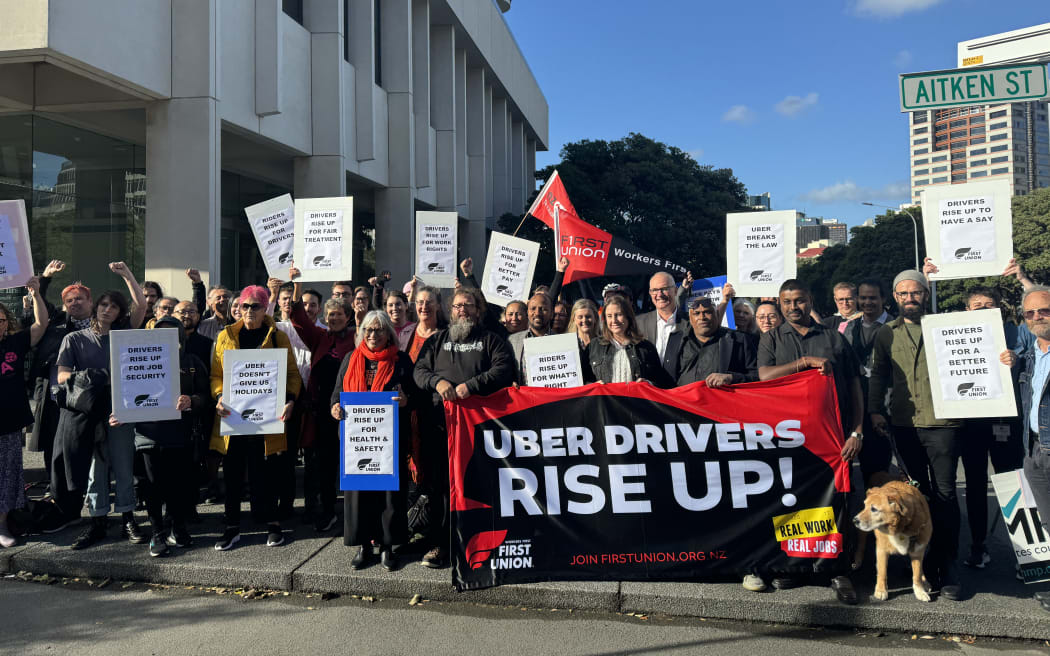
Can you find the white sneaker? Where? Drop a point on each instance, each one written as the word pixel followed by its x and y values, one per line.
pixel 754 583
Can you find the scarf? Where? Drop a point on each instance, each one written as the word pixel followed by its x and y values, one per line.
pixel 354 380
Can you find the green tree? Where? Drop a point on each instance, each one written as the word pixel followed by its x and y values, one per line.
pixel 648 193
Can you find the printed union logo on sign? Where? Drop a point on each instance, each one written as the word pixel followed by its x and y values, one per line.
pixel 973 86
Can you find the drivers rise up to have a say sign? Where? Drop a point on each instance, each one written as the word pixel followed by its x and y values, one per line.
pixel 968 228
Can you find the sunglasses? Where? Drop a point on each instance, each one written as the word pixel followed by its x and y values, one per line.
pixel 1044 313
pixel 251 306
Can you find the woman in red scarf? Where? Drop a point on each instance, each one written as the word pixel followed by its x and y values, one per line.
pixel 376 365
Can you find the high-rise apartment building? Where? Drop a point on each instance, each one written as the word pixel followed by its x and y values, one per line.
pixel 960 144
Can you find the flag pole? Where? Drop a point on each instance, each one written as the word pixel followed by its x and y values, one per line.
pixel 515 233
pixel 539 198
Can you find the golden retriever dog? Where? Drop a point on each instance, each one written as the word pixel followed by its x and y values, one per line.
pixel 875 480
pixel 900 518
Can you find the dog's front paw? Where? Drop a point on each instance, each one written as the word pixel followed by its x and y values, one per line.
pixel 882 595
pixel 920 593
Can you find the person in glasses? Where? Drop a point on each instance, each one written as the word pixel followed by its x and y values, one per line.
pixel 767 316
pixel 667 324
pixel 463 360
pixel 929 446
pixel 1035 406
pixel 254 454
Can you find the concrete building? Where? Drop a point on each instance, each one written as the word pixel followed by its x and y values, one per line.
pixel 139 131
pixel 761 202
pixel 813 232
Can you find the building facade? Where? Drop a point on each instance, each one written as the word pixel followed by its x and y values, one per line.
pixel 139 131
pixel 816 232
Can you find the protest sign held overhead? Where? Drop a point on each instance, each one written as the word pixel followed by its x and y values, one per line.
pixel 591 251
pixel 712 288
pixel 368 449
pixel 253 384
pixel 16 256
pixel 968 228
pixel 145 374
pixel 553 361
pixel 962 356
pixel 1030 541
pixel 760 251
pixel 324 229
pixel 436 237
pixel 273 223
pixel 509 268
pixel 630 482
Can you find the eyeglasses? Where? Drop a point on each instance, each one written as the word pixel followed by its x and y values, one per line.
pixel 917 294
pixel 462 306
pixel 657 290
pixel 254 307
pixel 186 313
pixel 372 331
pixel 342 294
pixel 1044 313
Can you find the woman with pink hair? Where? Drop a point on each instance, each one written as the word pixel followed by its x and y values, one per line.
pixel 252 453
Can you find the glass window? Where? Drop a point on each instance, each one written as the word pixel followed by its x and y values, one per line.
pixel 1018 169
pixel 346 30
pixel 957 177
pixel 921 182
pixel 1005 169
pixel 923 140
pixel 922 130
pixel 997 160
pixel 974 120
pixel 920 171
pixel 294 8
pixel 941 179
pixel 998 114
pixel 919 162
pixel 979 162
pixel 1020 158
pixel 940 158
pixel 976 140
pixel 956 166
pixel 939 169
pixel 919 117
pixel 978 174
pixel 999 148
pixel 920 151
pixel 976 131
pixel 378 41
pixel 958 133
pixel 977 151
pixel 997 126
pixel 999 137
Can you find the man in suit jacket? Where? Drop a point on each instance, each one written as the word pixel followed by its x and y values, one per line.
pixel 712 353
pixel 540 311
pixel 667 324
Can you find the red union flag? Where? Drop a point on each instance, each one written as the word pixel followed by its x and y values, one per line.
pixel 591 251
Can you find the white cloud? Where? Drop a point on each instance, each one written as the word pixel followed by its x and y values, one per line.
pixel 739 114
pixel 695 154
pixel 902 60
pixel 793 105
pixel 851 192
pixel 891 8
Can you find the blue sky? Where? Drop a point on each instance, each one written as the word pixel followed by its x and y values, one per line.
pixel 798 98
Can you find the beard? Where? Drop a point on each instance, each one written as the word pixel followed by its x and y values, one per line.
pixel 912 312
pixel 1040 328
pixel 460 329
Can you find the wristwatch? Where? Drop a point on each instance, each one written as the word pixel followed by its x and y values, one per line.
pixel 857 435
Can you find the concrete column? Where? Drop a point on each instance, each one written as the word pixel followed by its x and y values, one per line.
pixel 530 169
pixel 462 196
pixel 183 157
pixel 269 57
pixel 443 112
pixel 421 89
pixel 500 158
pixel 487 110
pixel 362 57
pixel 327 107
pixel 396 232
pixel 477 124
pixel 517 167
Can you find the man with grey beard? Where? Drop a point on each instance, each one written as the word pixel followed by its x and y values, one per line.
pixel 455 363
pixel 929 446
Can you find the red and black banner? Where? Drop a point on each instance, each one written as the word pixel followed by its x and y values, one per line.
pixel 631 482
pixel 590 250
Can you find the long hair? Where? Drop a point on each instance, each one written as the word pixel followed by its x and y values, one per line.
pixel 12 324
pixel 590 306
pixel 115 298
pixel 634 335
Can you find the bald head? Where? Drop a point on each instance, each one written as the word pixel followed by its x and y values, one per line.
pixel 662 293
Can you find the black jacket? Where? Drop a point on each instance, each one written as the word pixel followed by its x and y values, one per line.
pixel 484 362
pixel 194 382
pixel 645 363
pixel 84 402
pixel 402 376
pixel 737 355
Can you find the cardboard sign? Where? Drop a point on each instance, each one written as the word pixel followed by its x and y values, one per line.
pixel 968 228
pixel 553 361
pixel 509 268
pixel 962 355
pixel 273 224
pixel 16 255
pixel 144 371
pixel 760 251
pixel 324 238
pixel 712 288
pixel 369 453
pixel 253 388
pixel 436 234
pixel 1030 541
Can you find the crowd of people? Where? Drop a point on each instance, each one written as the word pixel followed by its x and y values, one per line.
pixel 374 338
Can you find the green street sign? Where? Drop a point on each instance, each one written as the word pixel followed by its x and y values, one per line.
pixel 986 85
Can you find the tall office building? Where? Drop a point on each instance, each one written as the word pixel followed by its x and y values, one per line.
pixel 963 144
pixel 761 202
pixel 815 232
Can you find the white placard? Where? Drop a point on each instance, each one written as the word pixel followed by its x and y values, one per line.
pixel 253 388
pixel 16 255
pixel 1030 543
pixel 273 224
pixel 368 436
pixel 962 356
pixel 968 228
pixel 509 269
pixel 553 361
pixel 760 251
pixel 436 234
pixel 144 374
pixel 324 242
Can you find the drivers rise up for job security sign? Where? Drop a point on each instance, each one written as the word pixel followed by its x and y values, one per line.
pixel 631 482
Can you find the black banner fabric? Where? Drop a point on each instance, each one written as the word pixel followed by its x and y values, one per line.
pixel 631 482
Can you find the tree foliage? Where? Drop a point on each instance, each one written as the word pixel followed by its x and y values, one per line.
pixel 652 195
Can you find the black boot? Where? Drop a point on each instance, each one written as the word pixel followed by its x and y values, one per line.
pixel 131 529
pixel 362 557
pixel 387 558
pixel 93 535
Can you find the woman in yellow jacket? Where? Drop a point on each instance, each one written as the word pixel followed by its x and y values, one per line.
pixel 252 453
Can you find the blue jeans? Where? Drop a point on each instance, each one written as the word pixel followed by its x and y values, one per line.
pixel 1037 471
pixel 113 459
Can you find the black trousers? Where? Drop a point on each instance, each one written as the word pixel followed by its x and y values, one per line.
pixel 247 454
pixel 434 453
pixel 321 475
pixel 979 443
pixel 168 473
pixel 931 456
pixel 875 454
pixel 286 493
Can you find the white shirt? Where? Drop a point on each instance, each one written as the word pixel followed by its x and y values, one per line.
pixel 664 330
pixel 302 354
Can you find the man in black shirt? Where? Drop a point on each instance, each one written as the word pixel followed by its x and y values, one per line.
pixel 712 353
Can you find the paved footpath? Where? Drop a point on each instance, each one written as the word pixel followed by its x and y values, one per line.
pixel 999 605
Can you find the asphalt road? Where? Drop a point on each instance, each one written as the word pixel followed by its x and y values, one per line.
pixel 75 618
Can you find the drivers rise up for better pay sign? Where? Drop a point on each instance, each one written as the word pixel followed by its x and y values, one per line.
pixel 631 482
